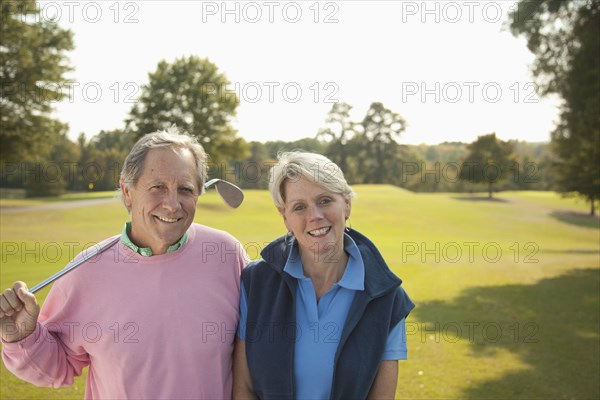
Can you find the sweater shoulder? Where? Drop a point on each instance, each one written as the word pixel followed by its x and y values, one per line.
pixel 204 233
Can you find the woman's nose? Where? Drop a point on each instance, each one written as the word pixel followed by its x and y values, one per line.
pixel 314 213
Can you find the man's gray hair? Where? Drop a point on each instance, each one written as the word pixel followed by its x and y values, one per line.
pixel 172 137
pixel 313 167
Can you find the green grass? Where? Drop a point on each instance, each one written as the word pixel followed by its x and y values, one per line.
pixel 507 291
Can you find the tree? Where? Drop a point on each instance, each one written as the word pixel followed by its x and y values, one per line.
pixel 338 134
pixel 51 175
pixel 564 36
pixel 255 168
pixel 381 128
pixel 32 68
pixel 192 94
pixel 489 161
pixel 102 159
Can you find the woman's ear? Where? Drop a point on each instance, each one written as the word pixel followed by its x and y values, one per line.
pixel 348 208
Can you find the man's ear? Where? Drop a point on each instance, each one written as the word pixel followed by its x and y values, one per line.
pixel 126 192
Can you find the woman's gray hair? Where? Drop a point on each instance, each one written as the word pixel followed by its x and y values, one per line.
pixel 173 138
pixel 315 168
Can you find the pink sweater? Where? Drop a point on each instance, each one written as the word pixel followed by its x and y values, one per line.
pixel 159 327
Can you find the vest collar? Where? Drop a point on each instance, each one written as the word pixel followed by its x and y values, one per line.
pixel 379 280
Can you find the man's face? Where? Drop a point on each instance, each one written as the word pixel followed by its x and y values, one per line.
pixel 163 200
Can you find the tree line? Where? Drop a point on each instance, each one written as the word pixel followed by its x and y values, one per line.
pixel 95 164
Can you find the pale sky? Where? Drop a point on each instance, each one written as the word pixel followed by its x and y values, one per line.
pixel 448 68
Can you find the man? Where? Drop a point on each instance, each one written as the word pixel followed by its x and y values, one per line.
pixel 155 315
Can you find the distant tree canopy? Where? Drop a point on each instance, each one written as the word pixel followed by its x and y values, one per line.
pixel 102 158
pixel 56 173
pixel 191 94
pixel 489 161
pixel 564 35
pixel 32 68
pixel 381 128
pixel 340 130
pixel 367 151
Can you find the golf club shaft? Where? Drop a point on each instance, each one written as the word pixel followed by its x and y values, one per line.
pixel 72 265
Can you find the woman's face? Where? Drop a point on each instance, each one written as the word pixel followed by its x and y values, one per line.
pixel 316 217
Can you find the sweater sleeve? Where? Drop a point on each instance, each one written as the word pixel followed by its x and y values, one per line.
pixel 44 358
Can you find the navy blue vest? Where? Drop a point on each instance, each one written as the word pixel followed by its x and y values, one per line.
pixel 271 328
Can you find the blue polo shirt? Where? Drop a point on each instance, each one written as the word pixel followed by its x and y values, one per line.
pixel 319 325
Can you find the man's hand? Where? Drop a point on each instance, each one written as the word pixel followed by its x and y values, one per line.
pixel 19 312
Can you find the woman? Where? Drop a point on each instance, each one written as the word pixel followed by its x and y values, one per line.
pixel 322 316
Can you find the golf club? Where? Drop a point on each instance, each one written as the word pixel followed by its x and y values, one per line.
pixel 230 193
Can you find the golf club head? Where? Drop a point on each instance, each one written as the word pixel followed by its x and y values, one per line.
pixel 230 193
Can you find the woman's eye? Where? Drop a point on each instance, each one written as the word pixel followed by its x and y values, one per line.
pixel 298 208
pixel 326 200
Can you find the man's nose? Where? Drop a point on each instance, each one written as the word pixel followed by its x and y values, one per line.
pixel 171 200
